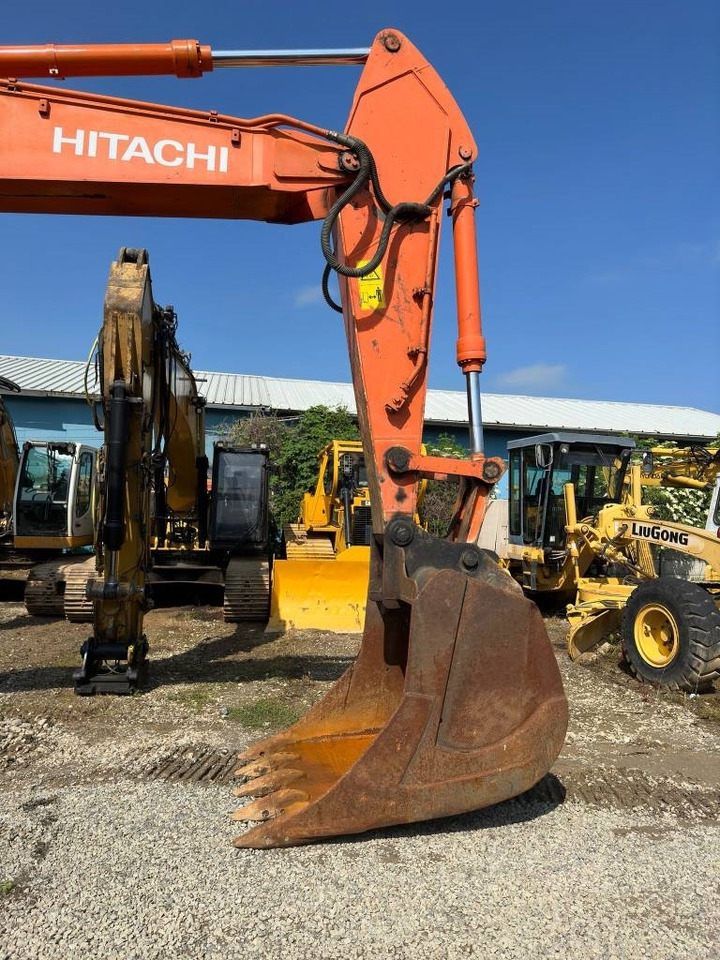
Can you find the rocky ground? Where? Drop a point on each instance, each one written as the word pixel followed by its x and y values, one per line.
pixel 115 836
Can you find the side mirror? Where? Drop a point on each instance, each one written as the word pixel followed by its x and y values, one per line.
pixel 543 456
pixel 648 463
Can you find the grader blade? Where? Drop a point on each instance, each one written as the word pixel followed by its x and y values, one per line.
pixel 455 703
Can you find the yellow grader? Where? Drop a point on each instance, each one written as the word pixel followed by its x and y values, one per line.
pixel 575 524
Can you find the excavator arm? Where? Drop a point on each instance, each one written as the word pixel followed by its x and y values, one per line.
pixel 153 425
pixel 455 700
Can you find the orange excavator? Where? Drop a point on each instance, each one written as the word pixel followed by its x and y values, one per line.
pixel 455 700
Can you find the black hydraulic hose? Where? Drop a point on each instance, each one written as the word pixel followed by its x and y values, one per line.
pixel 116 444
pixel 326 289
pixel 160 502
pixel 201 464
pixel 404 212
pixel 346 497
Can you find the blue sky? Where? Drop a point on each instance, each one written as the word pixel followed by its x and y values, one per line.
pixel 598 127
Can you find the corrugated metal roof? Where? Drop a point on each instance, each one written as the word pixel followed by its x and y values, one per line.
pixel 64 378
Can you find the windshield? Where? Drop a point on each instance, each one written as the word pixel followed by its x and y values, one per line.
pixel 43 492
pixel 239 498
pixel 596 474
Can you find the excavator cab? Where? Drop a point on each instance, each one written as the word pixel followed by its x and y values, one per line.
pixel 53 495
pixel 355 499
pixel 239 499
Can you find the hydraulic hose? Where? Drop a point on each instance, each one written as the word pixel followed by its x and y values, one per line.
pixel 116 443
pixel 403 212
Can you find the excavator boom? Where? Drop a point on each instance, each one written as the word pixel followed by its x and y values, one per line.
pixel 455 700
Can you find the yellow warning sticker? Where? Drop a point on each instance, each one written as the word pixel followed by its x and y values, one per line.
pixel 370 288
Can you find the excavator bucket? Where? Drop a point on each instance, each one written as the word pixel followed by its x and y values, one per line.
pixel 321 594
pixel 455 703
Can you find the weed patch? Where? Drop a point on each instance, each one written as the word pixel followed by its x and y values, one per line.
pixel 268 712
pixel 708 711
pixel 196 699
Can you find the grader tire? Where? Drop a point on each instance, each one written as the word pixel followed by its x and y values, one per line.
pixel 671 634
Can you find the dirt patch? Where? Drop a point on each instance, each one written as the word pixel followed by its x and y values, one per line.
pixel 215 686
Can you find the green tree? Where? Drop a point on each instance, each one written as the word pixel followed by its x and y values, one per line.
pixel 298 455
pixel 263 428
pixel 293 446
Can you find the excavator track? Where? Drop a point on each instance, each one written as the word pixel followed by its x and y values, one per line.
pixel 78 608
pixel 43 595
pixel 247 590
pixel 58 585
pixel 300 546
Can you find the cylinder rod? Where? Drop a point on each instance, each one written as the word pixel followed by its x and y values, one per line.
pixel 288 58
pixel 472 382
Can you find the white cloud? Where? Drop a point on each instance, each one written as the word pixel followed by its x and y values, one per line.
pixel 306 296
pixel 544 376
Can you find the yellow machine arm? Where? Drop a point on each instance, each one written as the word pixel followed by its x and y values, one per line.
pixel 692 467
pixel 153 425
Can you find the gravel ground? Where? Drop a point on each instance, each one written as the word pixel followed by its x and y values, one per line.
pixel 126 871
pixel 98 861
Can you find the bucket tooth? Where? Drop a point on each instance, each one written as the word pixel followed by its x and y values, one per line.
pixel 275 804
pixel 261 786
pixel 267 763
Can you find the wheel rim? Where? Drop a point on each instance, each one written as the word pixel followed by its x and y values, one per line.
pixel 656 635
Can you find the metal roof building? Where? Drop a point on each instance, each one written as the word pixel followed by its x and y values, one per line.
pixel 228 394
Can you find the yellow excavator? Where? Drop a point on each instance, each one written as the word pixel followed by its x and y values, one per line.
pixel 575 525
pixel 45 497
pixel 155 521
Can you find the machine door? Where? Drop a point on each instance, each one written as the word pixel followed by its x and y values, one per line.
pixel 355 499
pixel 528 493
pixel 81 494
pixel 239 514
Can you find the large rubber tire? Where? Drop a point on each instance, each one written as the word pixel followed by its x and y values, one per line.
pixel 671 634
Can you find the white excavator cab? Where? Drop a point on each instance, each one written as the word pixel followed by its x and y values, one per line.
pixel 53 495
